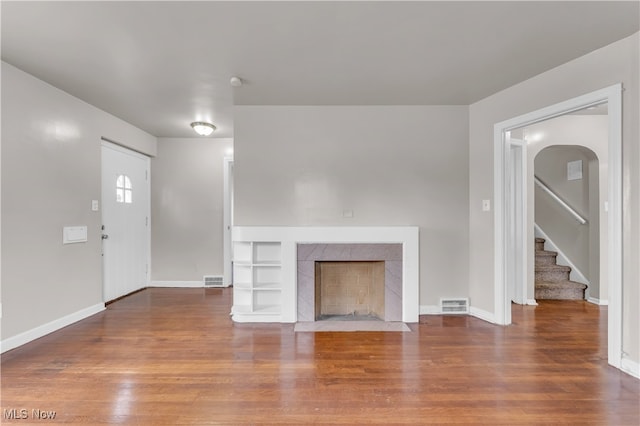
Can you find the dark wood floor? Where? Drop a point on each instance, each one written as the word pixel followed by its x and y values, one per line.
pixel 173 356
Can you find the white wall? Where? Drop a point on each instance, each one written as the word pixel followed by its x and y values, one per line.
pixel 187 208
pixel 391 165
pixel 616 63
pixel 50 173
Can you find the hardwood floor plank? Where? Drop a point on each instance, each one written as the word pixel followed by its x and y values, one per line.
pixel 173 356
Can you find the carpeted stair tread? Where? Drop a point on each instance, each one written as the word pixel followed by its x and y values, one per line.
pixel 562 290
pixel 542 268
pixel 546 253
pixel 561 284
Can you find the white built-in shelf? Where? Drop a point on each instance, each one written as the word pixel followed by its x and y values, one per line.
pixel 257 276
pixel 242 285
pixel 268 286
pixel 268 309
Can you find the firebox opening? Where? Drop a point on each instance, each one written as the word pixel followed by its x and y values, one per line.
pixel 349 290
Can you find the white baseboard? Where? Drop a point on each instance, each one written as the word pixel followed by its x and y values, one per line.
pixel 631 367
pixel 50 327
pixel 532 302
pixel 430 310
pixel 482 314
pixel 597 301
pixel 178 284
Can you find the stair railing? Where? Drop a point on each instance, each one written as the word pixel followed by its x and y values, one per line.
pixel 560 201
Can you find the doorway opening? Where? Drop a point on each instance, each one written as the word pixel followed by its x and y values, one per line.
pixel 567 217
pixel 513 212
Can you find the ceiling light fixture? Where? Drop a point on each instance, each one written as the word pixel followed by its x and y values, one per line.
pixel 202 128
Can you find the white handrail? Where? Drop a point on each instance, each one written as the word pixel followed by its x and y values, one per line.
pixel 560 201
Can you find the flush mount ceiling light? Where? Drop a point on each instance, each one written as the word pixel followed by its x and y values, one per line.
pixel 203 128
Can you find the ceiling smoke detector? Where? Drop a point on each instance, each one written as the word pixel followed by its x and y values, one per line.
pixel 235 82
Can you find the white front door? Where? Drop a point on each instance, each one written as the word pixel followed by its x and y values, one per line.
pixel 125 221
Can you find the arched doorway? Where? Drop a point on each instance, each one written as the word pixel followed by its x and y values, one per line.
pixel 567 217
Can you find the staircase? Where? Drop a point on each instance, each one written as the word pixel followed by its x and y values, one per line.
pixel 552 280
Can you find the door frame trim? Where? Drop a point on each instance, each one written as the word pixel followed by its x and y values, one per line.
pixel 227 222
pixel 613 96
pixel 520 284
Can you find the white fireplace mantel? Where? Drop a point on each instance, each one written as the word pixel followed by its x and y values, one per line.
pixel 265 266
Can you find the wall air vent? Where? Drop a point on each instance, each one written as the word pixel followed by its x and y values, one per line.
pixel 213 281
pixel 454 306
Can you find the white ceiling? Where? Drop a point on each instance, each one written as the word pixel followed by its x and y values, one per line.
pixel 161 65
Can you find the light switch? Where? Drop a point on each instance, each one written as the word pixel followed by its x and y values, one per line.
pixel 486 205
pixel 347 213
pixel 74 234
pixel 94 205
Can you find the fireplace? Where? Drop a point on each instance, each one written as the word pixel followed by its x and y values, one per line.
pixel 349 281
pixel 349 290
pixel 274 268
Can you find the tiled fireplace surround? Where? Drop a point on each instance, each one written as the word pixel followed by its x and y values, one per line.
pixel 309 254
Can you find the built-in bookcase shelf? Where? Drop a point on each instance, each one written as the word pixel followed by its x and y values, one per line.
pixel 257 279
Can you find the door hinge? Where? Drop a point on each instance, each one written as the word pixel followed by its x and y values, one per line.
pixel 146 175
pixel 146 221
